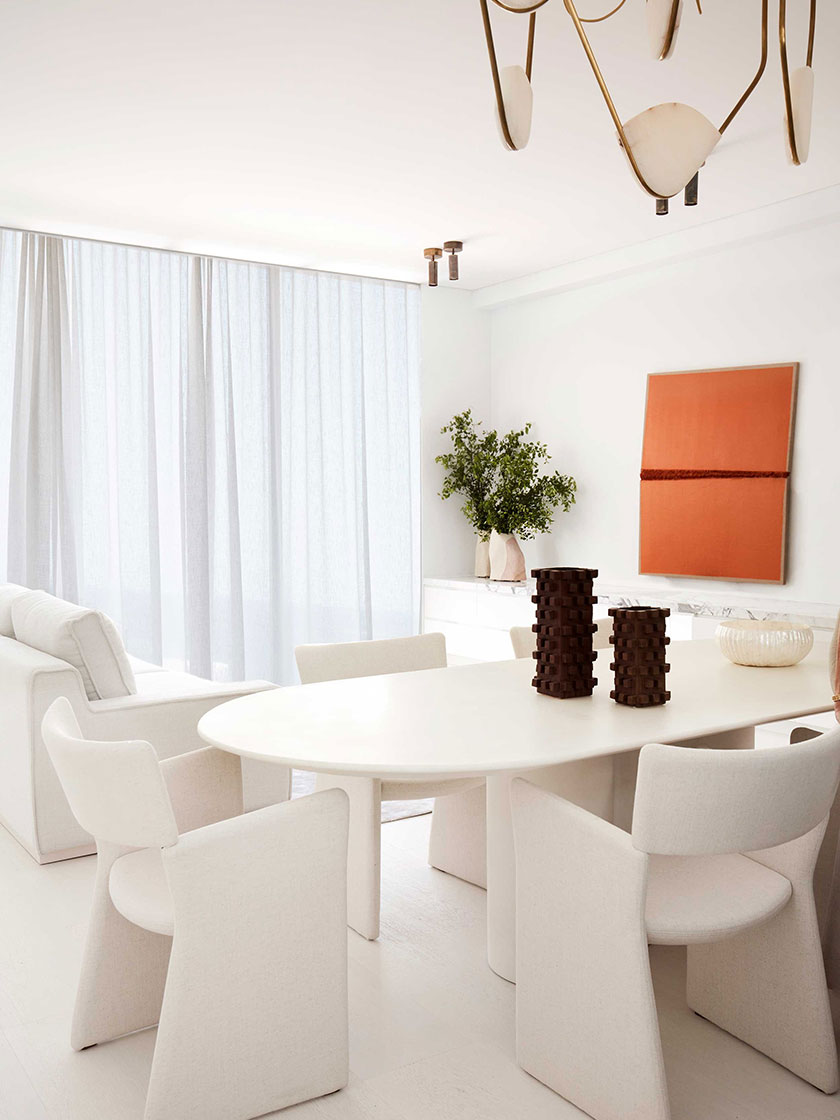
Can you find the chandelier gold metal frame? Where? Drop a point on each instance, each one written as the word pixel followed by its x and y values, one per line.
pixel 667 144
pixel 571 8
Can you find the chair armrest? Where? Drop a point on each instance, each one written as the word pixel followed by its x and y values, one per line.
pixel 205 786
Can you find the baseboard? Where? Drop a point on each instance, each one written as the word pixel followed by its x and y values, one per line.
pixel 50 857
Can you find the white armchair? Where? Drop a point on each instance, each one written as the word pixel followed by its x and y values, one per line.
pixel 227 929
pixel 721 858
pixel 164 711
pixel 458 841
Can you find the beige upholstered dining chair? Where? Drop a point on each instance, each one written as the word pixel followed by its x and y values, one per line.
pixel 458 839
pixel 721 858
pixel 524 640
pixel 229 930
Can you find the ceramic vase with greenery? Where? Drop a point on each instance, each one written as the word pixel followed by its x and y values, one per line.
pixel 505 494
pixel 470 471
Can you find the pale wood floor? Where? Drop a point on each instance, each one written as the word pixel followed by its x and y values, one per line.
pixel 431 1026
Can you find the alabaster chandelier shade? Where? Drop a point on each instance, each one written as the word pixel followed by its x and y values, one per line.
pixel 512 84
pixel 518 101
pixel 798 89
pixel 801 112
pixel 663 21
pixel 667 144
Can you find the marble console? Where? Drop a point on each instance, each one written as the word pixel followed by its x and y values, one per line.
pixel 476 614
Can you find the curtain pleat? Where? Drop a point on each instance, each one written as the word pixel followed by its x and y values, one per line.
pixel 222 456
pixel 41 541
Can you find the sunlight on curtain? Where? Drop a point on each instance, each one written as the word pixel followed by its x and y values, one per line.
pixel 222 456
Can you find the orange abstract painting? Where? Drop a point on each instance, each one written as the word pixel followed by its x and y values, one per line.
pixel 715 473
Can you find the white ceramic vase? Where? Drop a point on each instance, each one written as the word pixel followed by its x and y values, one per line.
pixel 482 557
pixel 747 641
pixel 506 560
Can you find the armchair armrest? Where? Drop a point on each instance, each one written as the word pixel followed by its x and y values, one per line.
pixel 205 786
pixel 172 688
pixel 168 721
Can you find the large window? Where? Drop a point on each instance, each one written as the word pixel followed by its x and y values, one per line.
pixel 222 456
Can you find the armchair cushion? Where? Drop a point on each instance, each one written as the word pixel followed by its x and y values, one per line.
pixel 138 666
pixel 86 639
pixel 8 593
pixel 698 899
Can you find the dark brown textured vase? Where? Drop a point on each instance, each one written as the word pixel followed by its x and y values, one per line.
pixel 639 642
pixel 564 630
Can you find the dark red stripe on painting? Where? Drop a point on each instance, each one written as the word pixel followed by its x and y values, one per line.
pixel 649 475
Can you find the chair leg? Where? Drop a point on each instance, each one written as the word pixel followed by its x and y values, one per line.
pixel 363 850
pixel 123 969
pixel 588 783
pixel 768 986
pixel 586 1022
pixel 458 839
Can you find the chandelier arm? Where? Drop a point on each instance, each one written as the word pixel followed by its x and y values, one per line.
pixel 599 77
pixel 600 19
pixel 494 69
pixel 761 66
pixel 520 11
pixel 529 59
pixel 812 25
pixel 786 83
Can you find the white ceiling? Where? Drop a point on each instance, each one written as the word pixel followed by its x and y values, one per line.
pixel 349 135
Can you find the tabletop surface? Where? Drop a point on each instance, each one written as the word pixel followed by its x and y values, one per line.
pixel 481 719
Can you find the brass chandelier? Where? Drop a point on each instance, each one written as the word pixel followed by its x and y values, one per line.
pixel 665 145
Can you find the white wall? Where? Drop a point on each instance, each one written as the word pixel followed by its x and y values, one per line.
pixel 575 363
pixel 455 376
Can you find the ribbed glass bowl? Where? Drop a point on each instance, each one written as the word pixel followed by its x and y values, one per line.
pixel 746 641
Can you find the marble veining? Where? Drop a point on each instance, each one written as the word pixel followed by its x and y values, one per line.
pixel 681 600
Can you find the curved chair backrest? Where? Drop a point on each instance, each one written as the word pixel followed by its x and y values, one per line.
pixel 116 790
pixel 340 661
pixel 524 640
pixel 701 802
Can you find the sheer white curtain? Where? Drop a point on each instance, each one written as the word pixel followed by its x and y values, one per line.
pixel 222 456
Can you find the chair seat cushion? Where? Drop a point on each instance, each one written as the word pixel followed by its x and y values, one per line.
pixel 140 891
pixel 694 899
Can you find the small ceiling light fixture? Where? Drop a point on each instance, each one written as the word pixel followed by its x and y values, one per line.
pixel 453 248
pixel 432 256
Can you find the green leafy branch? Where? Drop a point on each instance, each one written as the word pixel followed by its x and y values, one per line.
pixel 500 479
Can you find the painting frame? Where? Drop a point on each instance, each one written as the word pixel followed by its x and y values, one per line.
pixel 647 569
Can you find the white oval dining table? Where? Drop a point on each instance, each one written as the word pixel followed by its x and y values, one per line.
pixel 487 720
